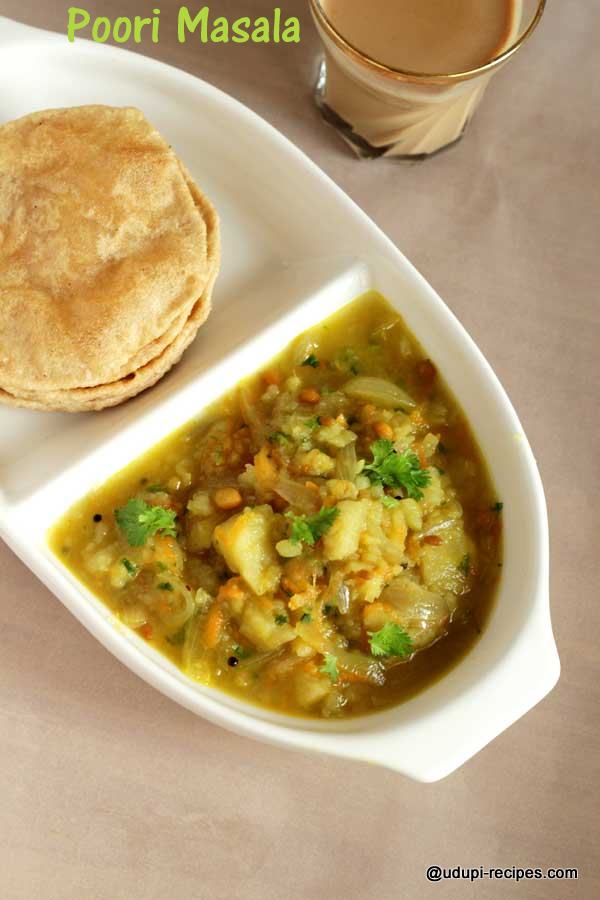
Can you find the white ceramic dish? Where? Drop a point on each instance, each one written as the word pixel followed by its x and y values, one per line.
pixel 295 249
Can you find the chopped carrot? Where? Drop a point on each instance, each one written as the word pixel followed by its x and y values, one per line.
pixel 311 486
pixel 353 677
pixel 146 631
pixel 423 462
pixel 383 430
pixel 433 539
pixel 326 421
pixel 311 667
pixel 271 377
pixel 233 589
pixel 213 626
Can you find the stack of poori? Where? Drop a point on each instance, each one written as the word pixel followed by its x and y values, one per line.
pixel 108 256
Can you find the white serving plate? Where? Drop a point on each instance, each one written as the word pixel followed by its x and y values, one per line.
pixel 295 249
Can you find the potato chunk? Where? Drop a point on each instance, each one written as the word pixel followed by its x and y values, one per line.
pixel 247 543
pixel 341 541
pixel 263 627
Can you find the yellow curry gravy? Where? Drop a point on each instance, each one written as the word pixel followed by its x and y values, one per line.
pixel 324 540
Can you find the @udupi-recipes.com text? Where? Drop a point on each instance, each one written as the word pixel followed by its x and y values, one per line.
pixel 512 873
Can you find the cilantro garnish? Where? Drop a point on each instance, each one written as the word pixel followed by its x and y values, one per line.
pixel 398 470
pixel 391 640
pixel 312 423
pixel 242 652
pixel 138 521
pixel 311 360
pixel 308 529
pixel 465 564
pixel 278 437
pixel 131 567
pixel 330 667
pixel 281 619
pixel 498 507
pixel 165 586
pixel 306 617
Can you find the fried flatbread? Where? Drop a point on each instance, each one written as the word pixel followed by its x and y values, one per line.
pixel 110 394
pixel 105 250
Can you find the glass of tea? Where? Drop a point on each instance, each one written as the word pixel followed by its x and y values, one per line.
pixel 402 78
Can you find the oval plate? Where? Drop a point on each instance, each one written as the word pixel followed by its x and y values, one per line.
pixel 295 248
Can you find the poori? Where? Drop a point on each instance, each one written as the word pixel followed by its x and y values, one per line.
pixel 108 255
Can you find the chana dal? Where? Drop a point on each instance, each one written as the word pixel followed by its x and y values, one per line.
pixel 323 541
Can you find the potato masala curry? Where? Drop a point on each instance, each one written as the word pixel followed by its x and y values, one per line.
pixel 324 541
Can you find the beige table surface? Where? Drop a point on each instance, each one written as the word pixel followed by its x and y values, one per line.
pixel 109 791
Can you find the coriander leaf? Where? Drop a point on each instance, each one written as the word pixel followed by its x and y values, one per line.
pixel 308 529
pixel 300 532
pixel 242 652
pixel 165 586
pixel 278 437
pixel 399 470
pixel 389 502
pixel 306 617
pixel 330 667
pixel 312 423
pixel 391 640
pixel 465 564
pixel 138 521
pixel 281 619
pixel 498 507
pixel 131 567
pixel 311 360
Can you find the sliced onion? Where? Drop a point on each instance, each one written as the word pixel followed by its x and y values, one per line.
pixel 346 462
pixel 424 614
pixel 323 639
pixel 134 616
pixel 303 347
pixel 297 495
pixel 343 598
pixel 260 658
pixel 379 392
pixel 182 607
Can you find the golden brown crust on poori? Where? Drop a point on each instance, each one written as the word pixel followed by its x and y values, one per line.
pixel 104 250
pixel 110 394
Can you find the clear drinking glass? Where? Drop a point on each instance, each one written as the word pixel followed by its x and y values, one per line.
pixel 385 111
